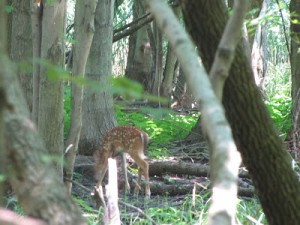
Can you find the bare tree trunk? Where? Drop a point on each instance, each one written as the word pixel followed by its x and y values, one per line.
pixel 169 70
pixel 50 121
pixel 157 48
pixel 84 32
pixel 36 28
pixel 295 70
pixel 168 74
pixel 258 56
pixel 98 111
pixel 8 30
pixel 21 46
pixel 139 60
pixel 3 99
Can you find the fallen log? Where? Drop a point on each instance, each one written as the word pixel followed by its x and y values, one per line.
pixel 159 188
pixel 159 168
pixel 165 186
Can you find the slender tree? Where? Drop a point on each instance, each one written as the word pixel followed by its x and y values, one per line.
pixel 169 70
pixel 3 100
pixel 156 76
pixel 50 117
pixel 259 49
pixel 36 29
pixel 21 42
pixel 140 55
pixel 84 32
pixel 98 111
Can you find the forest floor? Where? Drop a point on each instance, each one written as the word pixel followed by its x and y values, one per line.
pixel 168 188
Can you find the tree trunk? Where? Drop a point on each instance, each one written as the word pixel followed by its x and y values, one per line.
pixel 84 32
pixel 169 70
pixel 3 99
pixel 139 60
pixel 21 46
pixel 156 73
pixel 51 115
pixel 168 74
pixel 258 55
pixel 39 189
pixel 295 70
pixel 252 127
pixel 8 25
pixel 36 28
pixel 98 111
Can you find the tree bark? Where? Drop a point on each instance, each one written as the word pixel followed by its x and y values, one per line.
pixel 36 29
pixel 139 60
pixel 295 70
pixel 169 70
pixel 253 130
pixel 98 111
pixel 50 121
pixel 3 98
pixel 84 32
pixel 154 86
pixel 21 46
pixel 258 55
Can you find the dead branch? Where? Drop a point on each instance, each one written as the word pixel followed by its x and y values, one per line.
pixel 10 218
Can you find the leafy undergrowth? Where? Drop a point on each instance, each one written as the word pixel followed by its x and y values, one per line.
pixel 278 97
pixel 178 210
pixel 163 126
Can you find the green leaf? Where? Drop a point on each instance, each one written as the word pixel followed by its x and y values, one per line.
pixel 9 8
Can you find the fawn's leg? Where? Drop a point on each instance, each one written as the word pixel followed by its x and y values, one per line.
pixel 101 161
pixel 100 173
pixel 138 183
pixel 147 184
pixel 124 165
pixel 143 169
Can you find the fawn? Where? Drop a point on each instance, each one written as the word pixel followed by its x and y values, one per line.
pixel 122 140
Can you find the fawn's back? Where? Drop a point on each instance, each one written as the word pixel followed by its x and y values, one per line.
pixel 124 139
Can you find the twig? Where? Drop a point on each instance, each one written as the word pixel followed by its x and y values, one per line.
pixel 80 185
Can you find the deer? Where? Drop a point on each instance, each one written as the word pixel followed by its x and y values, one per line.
pixel 124 140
